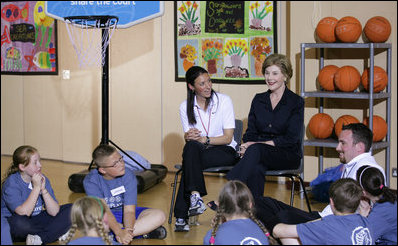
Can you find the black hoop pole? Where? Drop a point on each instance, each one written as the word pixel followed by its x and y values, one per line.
pixel 105 101
pixel 105 90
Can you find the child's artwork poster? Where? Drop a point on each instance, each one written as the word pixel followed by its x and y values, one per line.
pixel 230 39
pixel 28 39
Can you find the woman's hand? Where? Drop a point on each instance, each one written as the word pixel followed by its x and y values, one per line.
pixel 243 147
pixel 192 134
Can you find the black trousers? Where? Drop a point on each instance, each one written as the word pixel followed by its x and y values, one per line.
pixel 259 158
pixel 271 212
pixel 195 158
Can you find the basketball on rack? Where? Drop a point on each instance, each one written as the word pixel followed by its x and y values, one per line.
pixel 348 29
pixel 321 125
pixel 379 127
pixel 377 29
pixel 380 79
pixel 347 78
pixel 343 120
pixel 325 29
pixel 326 77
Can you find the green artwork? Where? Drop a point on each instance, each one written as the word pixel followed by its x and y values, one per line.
pixel 230 39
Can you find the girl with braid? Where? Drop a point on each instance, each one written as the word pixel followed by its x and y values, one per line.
pixel 379 205
pixel 235 222
pixel 88 216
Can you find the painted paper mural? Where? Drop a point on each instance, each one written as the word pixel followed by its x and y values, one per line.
pixel 28 39
pixel 230 39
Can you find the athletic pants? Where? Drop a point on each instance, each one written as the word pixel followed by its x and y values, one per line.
pixel 195 158
pixel 271 212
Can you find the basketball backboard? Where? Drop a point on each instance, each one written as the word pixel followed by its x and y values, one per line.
pixel 129 12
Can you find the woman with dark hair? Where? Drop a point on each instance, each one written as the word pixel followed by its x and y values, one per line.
pixel 274 132
pixel 208 122
pixel 379 205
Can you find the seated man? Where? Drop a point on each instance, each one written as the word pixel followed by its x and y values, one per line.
pixel 355 141
pixel 117 186
pixel 345 227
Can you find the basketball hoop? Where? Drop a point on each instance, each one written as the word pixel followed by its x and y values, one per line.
pixel 89 50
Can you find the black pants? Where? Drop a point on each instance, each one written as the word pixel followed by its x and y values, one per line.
pixel 48 227
pixel 271 212
pixel 195 158
pixel 259 158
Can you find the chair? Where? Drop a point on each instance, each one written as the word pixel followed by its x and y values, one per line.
pixel 222 169
pixel 293 173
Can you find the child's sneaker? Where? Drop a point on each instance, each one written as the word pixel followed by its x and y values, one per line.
pixel 197 205
pixel 158 233
pixel 33 240
pixel 181 225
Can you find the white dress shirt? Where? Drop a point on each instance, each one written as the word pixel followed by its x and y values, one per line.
pixel 350 171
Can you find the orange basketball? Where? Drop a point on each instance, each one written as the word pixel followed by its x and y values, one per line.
pixel 380 79
pixel 321 125
pixel 326 77
pixel 325 29
pixel 348 29
pixel 347 78
pixel 379 127
pixel 377 29
pixel 343 120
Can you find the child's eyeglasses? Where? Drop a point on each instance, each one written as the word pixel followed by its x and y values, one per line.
pixel 120 160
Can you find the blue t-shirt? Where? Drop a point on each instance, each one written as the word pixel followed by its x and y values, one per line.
pixel 235 232
pixel 15 192
pixel 350 229
pixel 383 220
pixel 117 192
pixel 90 241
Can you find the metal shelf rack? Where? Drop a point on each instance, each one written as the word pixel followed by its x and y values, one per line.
pixel 370 96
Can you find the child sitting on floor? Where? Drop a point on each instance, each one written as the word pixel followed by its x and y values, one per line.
pixel 343 227
pixel 117 185
pixel 380 207
pixel 235 222
pixel 89 216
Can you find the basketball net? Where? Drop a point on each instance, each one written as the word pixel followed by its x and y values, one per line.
pixel 90 50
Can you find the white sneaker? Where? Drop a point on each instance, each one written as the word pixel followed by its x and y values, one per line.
pixel 197 205
pixel 33 240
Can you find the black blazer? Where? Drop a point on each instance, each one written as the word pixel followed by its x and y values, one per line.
pixel 283 125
